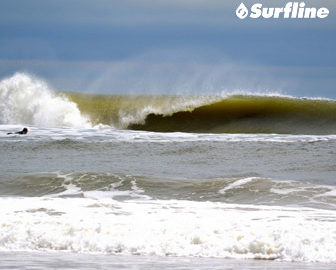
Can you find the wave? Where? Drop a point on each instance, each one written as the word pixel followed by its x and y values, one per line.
pixel 250 114
pixel 212 114
pixel 123 111
pixel 246 190
pixel 27 100
pixel 30 101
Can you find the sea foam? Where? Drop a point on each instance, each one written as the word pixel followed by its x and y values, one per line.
pixel 167 228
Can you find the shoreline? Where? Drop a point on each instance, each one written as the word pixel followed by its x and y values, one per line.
pixel 65 260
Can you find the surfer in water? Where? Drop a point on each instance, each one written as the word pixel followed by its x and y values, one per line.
pixel 24 131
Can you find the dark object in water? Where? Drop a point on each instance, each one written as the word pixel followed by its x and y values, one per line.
pixel 24 131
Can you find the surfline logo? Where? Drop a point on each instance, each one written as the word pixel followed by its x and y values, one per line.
pixel 292 10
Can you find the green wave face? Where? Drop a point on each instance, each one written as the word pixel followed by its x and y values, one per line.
pixel 121 111
pixel 233 114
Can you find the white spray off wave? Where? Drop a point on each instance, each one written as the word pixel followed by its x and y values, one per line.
pixel 29 101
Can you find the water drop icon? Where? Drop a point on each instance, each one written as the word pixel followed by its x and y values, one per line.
pixel 242 11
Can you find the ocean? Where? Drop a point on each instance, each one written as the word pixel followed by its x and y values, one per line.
pixel 172 182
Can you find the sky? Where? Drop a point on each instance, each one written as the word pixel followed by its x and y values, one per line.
pixel 168 47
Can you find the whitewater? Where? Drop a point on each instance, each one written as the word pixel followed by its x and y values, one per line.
pixel 208 182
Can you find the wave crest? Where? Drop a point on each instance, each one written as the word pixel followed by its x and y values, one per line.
pixel 249 114
pixel 27 100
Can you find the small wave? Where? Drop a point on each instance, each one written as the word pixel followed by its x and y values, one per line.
pixel 70 185
pixel 246 190
pixel 237 184
pixel 98 186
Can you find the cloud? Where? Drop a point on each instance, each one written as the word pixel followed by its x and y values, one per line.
pixel 141 12
pixel 159 46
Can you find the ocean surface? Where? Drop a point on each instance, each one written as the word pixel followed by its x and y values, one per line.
pixel 171 182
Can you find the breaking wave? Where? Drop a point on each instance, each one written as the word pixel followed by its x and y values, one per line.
pixel 250 114
pixel 27 100
pixel 212 114
pixel 248 190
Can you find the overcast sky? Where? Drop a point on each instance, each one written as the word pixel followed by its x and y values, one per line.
pixel 167 46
